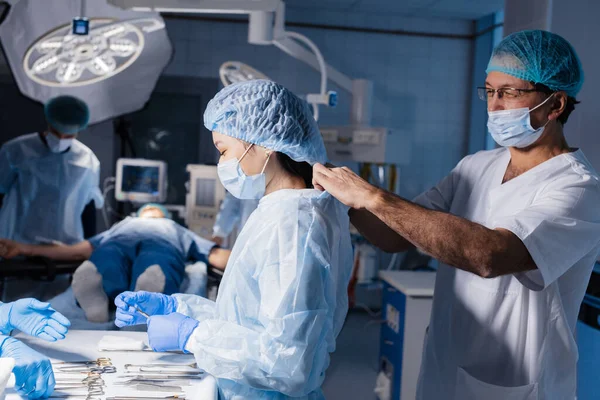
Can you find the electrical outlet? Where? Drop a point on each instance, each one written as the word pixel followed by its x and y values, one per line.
pixel 366 137
pixel 392 318
pixel 329 135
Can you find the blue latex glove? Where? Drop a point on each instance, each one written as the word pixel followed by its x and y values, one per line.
pixel 170 332
pixel 33 371
pixel 148 302
pixel 34 318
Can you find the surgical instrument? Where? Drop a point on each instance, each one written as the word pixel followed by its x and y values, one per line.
pixel 64 384
pixel 142 313
pixel 101 361
pixel 173 369
pixel 67 396
pixel 152 387
pixel 89 377
pixel 141 381
pixel 109 369
pixel 155 375
pixel 192 365
pixel 85 381
pixel 94 391
pixel 175 396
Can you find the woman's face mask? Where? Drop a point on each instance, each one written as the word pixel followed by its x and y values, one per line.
pixel 512 128
pixel 239 184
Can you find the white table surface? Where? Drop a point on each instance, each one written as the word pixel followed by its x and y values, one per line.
pixel 411 283
pixel 82 345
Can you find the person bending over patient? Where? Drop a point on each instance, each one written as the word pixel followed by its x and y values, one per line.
pixel 145 253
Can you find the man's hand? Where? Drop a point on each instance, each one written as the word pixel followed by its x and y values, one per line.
pixel 344 185
pixel 218 240
pixel 11 249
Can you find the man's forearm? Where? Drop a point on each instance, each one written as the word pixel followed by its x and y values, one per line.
pixel 77 252
pixel 377 232
pixel 218 258
pixel 452 240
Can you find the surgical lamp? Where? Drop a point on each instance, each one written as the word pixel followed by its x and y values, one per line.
pixel 235 71
pixel 97 56
pixel 357 141
pixel 266 27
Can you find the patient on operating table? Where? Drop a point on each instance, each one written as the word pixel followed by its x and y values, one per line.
pixel 148 253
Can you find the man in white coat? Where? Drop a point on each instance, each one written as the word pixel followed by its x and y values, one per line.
pixel 516 229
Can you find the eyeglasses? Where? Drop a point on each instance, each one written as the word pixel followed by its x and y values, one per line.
pixel 506 93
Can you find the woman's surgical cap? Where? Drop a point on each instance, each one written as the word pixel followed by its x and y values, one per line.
pixel 267 114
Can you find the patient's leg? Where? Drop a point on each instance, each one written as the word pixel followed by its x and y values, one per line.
pixel 87 287
pixel 157 269
pixel 99 280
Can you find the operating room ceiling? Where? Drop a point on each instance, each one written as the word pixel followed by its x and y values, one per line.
pixel 465 9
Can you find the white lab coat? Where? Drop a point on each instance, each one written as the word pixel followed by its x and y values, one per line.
pixel 512 337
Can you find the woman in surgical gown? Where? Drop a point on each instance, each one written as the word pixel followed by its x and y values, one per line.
pixel 283 298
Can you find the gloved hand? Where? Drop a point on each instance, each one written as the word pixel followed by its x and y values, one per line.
pixel 148 302
pixel 34 318
pixel 170 332
pixel 33 371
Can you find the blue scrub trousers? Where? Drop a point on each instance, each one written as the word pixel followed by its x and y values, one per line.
pixel 121 265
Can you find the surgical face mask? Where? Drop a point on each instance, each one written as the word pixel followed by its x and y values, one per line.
pixel 57 145
pixel 238 183
pixel 512 128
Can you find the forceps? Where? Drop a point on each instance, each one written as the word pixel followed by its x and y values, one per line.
pixel 166 368
pixel 80 384
pixel 85 381
pixel 90 391
pixel 91 377
pixel 175 396
pixel 108 369
pixel 192 365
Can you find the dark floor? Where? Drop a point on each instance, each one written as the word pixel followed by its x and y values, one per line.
pixel 353 368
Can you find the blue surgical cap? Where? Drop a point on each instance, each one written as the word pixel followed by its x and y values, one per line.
pixel 268 115
pixel 162 209
pixel 539 57
pixel 67 114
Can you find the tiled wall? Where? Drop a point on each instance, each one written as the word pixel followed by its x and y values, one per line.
pixel 422 85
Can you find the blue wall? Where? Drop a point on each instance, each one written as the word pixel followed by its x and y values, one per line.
pixel 422 85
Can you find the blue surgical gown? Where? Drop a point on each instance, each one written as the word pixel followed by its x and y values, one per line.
pixel 233 212
pixel 45 192
pixel 125 251
pixel 282 301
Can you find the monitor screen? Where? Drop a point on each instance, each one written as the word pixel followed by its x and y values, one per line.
pixel 140 179
pixel 205 192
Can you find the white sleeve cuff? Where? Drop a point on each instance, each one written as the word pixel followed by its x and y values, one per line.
pixel 537 278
